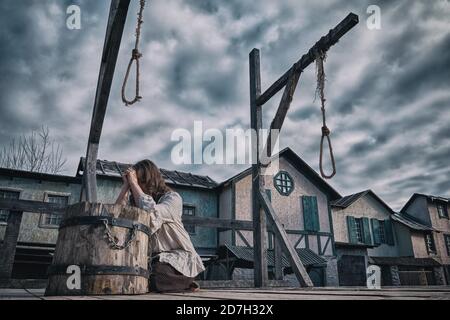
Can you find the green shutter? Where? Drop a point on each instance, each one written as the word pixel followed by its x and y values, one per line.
pixel 366 231
pixel 389 232
pixel 376 231
pixel 315 214
pixel 351 227
pixel 447 243
pixel 310 213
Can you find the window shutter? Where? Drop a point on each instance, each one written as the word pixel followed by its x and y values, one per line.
pixel 310 213
pixel 315 213
pixel 351 227
pixel 376 231
pixel 366 231
pixel 389 232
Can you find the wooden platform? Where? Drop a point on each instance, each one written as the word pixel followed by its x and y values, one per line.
pixel 416 293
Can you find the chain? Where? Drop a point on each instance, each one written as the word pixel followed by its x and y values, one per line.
pixel 135 56
pixel 113 243
pixel 320 58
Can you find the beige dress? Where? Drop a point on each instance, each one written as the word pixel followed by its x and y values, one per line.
pixel 169 240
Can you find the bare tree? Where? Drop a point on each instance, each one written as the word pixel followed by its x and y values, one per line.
pixel 36 152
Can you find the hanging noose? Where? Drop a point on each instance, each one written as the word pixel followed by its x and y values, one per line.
pixel 320 58
pixel 135 56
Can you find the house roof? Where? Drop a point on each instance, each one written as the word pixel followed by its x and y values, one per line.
pixel 346 201
pixel 39 176
pixel 307 256
pixel 114 170
pixel 427 196
pixel 410 222
pixel 404 261
pixel 301 166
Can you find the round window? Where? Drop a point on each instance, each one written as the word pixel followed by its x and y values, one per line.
pixel 283 183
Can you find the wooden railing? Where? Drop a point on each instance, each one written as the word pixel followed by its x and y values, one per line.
pixel 18 207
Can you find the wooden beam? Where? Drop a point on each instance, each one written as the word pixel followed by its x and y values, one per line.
pixel 9 244
pixel 323 45
pixel 40 207
pixel 292 255
pixel 275 128
pixel 239 283
pixel 278 258
pixel 259 218
pixel 224 224
pixel 283 108
pixel 116 22
pixel 31 206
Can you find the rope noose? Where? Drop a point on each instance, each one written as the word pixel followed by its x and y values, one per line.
pixel 320 58
pixel 135 56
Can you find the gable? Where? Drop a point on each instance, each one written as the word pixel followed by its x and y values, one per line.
pixel 299 166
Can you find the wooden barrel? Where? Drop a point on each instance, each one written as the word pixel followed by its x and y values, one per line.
pixel 108 246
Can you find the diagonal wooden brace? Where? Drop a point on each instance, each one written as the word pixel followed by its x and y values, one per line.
pixel 297 266
pixel 282 110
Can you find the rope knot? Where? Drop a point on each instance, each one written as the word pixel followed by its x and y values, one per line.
pixel 325 131
pixel 136 54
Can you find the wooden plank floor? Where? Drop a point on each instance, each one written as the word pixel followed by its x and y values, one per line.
pixel 420 293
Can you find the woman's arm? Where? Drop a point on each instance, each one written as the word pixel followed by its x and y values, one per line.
pixel 136 190
pixel 123 195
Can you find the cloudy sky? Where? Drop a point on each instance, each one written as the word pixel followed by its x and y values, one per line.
pixel 388 90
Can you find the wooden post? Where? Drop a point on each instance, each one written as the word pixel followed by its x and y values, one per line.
pixel 8 247
pixel 116 22
pixel 278 258
pixel 296 264
pixel 288 80
pixel 259 217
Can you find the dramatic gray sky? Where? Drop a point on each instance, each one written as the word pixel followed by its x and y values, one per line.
pixel 388 90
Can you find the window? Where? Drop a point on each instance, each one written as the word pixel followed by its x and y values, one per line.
pixel 447 242
pixel 283 183
pixel 4 194
pixel 382 232
pixel 189 211
pixel 359 230
pixel 53 220
pixel 429 241
pixel 442 209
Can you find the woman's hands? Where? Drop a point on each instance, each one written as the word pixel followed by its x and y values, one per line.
pixel 123 195
pixel 131 177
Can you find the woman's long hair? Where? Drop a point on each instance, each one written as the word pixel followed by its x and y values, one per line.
pixel 150 179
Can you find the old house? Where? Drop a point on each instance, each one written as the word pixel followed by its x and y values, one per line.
pixel 301 199
pixel 433 212
pixel 368 231
pixel 38 233
pixel 336 237
pixel 299 195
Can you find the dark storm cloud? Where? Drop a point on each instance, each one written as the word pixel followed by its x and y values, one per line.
pixel 387 90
